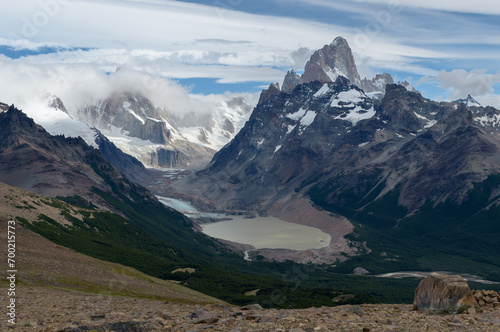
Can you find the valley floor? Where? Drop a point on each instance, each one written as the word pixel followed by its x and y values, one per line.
pixel 46 309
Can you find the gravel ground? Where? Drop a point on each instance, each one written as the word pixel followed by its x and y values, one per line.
pixel 45 309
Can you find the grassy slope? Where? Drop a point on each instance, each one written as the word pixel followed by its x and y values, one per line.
pixel 112 238
pixel 43 263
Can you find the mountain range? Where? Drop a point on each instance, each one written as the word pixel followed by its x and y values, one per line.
pixel 392 166
pixel 398 181
pixel 151 134
pixel 77 199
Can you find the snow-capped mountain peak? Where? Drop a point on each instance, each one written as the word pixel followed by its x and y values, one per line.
pixel 469 101
pixel 50 113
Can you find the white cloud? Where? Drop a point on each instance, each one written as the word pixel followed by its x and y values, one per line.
pixel 163 25
pixel 184 40
pixel 462 83
pixel 25 44
pixel 300 57
pixel 226 68
pixel 83 84
pixel 488 7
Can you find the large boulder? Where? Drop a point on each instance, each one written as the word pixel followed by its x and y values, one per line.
pixel 443 292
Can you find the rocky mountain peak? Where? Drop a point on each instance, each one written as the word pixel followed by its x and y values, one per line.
pixel 330 62
pixel 133 113
pixel 339 42
pixel 292 79
pixel 274 89
pixel 325 66
pixel 13 123
pixel 398 105
pixel 3 107
pixel 458 116
pixel 376 84
pixel 469 101
pixel 55 103
pixel 408 86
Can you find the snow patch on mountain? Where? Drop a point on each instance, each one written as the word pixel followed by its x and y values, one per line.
pixel 297 115
pixel 324 89
pixel 430 123
pixel 357 114
pixel 492 120
pixel 347 98
pixel 135 115
pixel 57 122
pixel 308 119
pixel 224 123
pixel 139 148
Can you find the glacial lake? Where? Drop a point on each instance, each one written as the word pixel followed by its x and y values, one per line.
pixel 260 232
pixel 268 232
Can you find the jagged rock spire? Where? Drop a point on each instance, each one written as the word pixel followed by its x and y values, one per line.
pixel 292 79
pixel 330 62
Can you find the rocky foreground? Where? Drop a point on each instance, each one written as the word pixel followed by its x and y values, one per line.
pixel 43 309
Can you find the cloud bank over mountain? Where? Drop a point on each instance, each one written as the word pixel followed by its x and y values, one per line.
pixel 84 84
pixel 244 45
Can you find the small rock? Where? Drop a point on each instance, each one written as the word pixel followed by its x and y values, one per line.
pixel 212 320
pixel 97 316
pixel 165 315
pixel 471 311
pixel 252 307
pixel 267 319
pixel 360 271
pixel 356 309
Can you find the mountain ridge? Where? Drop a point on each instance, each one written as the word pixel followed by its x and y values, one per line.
pixel 347 153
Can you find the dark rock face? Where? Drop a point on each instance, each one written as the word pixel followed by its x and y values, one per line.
pixel 32 159
pixel 166 158
pixel 443 292
pixel 331 61
pixel 398 106
pixel 266 94
pixel 132 168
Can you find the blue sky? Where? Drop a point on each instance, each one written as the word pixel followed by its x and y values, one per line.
pixel 446 49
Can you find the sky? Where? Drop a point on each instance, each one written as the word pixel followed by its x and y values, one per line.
pixel 177 52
